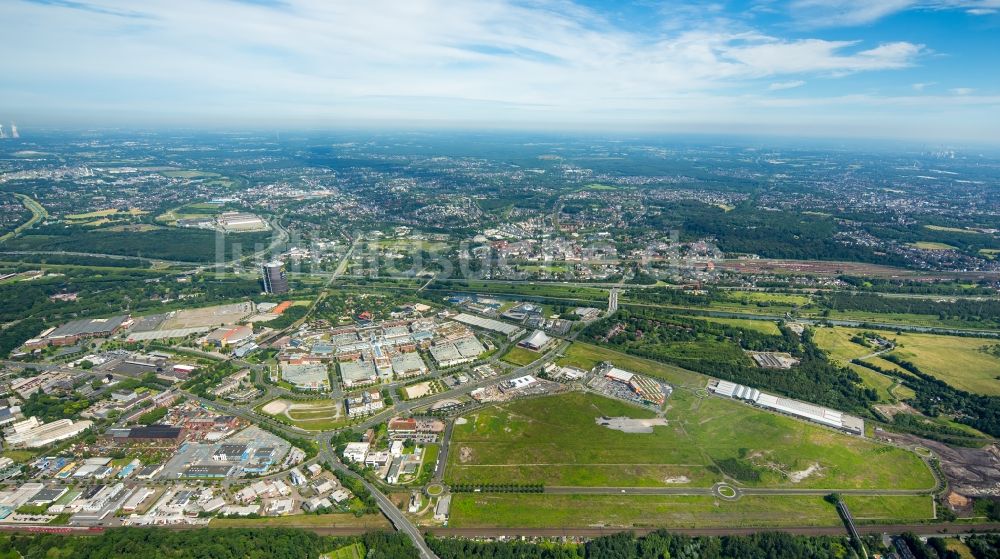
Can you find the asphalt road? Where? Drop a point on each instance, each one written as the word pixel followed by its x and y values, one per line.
pixel 396 516
pixel 709 491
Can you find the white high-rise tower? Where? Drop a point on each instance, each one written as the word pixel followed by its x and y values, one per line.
pixel 2 135
pixel 13 131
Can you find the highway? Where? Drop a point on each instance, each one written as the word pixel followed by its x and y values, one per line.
pixel 711 491
pixel 37 214
pixel 396 516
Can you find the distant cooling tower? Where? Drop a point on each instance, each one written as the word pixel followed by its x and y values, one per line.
pixel 13 131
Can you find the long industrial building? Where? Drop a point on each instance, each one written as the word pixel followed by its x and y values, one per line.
pixel 805 410
pixel 32 433
pixel 512 332
pixel 76 330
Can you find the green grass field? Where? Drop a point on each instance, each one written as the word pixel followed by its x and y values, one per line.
pixel 763 326
pixel 346 520
pixel 431 452
pixel 961 362
pixel 764 297
pixel 556 440
pixel 930 245
pixel 673 511
pixel 585 356
pixel 521 356
pixel 104 213
pixel 951 229
pixel 837 342
pixel 908 319
pixel 354 551
pixel 37 214
pixel 190 174
pixel 888 389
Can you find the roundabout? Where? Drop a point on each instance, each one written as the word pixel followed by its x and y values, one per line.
pixel 725 491
pixel 923 451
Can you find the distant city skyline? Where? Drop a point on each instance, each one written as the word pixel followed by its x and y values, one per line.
pixel 923 70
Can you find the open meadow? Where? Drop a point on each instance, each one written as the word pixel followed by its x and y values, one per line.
pixel 556 440
pixel 521 356
pixel 674 511
pixel 966 363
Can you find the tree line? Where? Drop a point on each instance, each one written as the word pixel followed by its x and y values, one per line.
pixel 968 310
pixel 498 488
pixel 934 397
pixel 204 543
pixel 656 545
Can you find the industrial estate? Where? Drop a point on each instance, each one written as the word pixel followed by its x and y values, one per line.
pixel 278 349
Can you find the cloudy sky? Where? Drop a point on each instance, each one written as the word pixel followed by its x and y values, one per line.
pixel 871 68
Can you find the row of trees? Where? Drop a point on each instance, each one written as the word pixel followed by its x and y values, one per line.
pixel 665 545
pixel 656 545
pixel 498 488
pixel 940 287
pixel 205 543
pixel 968 310
pixel 187 245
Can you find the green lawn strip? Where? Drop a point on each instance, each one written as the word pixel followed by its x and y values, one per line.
pixel 633 511
pixel 521 356
pixel 879 382
pixel 763 326
pixel 429 459
pixel 320 424
pixel 354 551
pixel 870 509
pixel 765 297
pixel 346 520
pixel 673 511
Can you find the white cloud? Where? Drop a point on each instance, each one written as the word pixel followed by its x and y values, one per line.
pixel 541 53
pixel 770 57
pixel 320 62
pixel 962 90
pixel 847 12
pixel 922 86
pixel 778 86
pixel 829 13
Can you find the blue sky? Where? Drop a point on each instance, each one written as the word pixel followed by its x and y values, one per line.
pixel 925 70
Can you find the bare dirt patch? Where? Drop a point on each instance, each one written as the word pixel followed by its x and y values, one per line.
pixel 890 410
pixel 418 390
pixel 796 477
pixel 973 472
pixel 465 455
pixel 629 425
pixel 276 407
